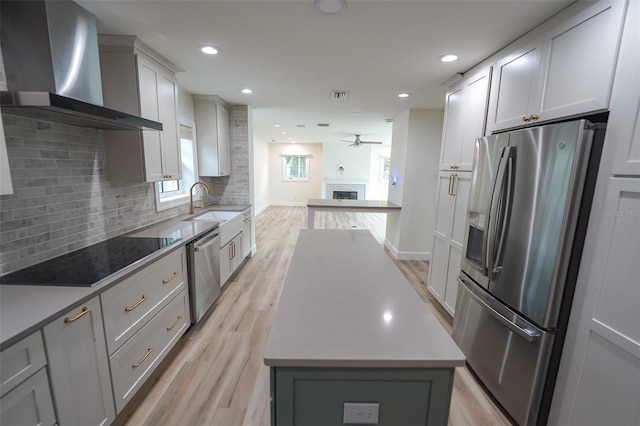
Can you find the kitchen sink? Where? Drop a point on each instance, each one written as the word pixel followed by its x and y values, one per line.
pixel 214 216
pixel 230 223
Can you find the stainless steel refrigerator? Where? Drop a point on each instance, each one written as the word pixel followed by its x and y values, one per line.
pixel 531 192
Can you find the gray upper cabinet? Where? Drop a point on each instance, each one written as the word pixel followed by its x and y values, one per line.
pixel 212 132
pixel 137 80
pixel 567 71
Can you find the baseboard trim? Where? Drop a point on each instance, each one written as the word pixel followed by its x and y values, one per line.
pixel 263 208
pixel 407 255
pixel 288 203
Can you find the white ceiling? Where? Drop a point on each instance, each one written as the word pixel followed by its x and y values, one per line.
pixel 293 56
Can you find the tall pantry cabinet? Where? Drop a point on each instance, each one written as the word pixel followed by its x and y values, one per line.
pixel 137 80
pixel 599 376
pixel 464 121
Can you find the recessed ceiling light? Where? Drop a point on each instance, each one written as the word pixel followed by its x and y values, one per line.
pixel 246 91
pixel 209 50
pixel 330 7
pixel 284 133
pixel 276 125
pixel 358 113
pixel 448 58
pixel 403 95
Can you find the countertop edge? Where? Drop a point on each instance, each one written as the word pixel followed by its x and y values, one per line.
pixel 8 338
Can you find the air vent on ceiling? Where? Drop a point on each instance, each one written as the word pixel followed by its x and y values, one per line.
pixel 388 120
pixel 323 124
pixel 339 94
pixel 300 125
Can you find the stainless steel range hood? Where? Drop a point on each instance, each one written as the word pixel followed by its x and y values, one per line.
pixel 52 65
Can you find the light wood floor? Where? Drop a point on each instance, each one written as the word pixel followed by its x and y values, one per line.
pixel 217 376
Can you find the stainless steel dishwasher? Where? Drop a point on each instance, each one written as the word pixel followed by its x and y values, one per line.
pixel 204 273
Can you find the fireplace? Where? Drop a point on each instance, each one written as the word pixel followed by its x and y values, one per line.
pixel 330 188
pixel 345 195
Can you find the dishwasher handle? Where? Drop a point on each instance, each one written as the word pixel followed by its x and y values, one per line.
pixel 206 241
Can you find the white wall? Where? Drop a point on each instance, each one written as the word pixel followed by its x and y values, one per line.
pixel 185 105
pixel 354 160
pixel 415 154
pixel 261 198
pixel 361 165
pixel 378 190
pixel 283 192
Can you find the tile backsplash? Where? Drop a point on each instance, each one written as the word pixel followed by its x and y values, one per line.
pixel 63 200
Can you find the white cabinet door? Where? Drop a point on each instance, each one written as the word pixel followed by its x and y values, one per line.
pixel 224 141
pixel 438 267
pixel 514 79
pixel 226 256
pixel 452 132
pixel 451 214
pixel 451 283
pixel 168 112
pixel 578 62
pixel 599 377
pixel 465 117
pixel 475 115
pixel 566 72
pixel 623 128
pixel 237 257
pixel 159 102
pixel 246 237
pixel 212 129
pixel 146 86
pixel 79 368
pixel 29 403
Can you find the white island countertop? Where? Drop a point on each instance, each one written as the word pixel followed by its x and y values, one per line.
pixel 346 304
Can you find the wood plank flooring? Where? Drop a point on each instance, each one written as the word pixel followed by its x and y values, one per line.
pixel 217 376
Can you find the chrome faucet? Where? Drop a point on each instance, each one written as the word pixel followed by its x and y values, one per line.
pixel 191 194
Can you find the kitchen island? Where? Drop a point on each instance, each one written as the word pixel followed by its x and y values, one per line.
pixel 361 206
pixel 350 329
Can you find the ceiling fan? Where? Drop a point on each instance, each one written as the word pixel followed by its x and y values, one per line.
pixel 358 141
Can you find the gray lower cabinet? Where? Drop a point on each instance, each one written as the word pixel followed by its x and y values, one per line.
pixel 132 364
pixel 308 396
pixel 79 368
pixel 24 386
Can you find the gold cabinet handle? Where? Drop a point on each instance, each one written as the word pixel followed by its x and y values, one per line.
pixel 454 167
pixel 177 321
pixel 526 118
pixel 137 364
pixel 131 308
pixel 82 313
pixel 453 184
pixel 450 184
pixel 534 117
pixel 168 280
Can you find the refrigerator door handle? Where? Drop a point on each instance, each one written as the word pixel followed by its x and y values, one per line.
pixel 529 335
pixel 506 205
pixel 489 243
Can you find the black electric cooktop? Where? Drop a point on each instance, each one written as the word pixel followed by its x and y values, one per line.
pixel 88 266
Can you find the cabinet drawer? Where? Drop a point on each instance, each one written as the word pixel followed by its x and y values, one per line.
pixel 21 361
pixel 128 305
pixel 29 403
pixel 132 364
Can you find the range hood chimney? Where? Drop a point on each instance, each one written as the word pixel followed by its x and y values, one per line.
pixel 52 66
